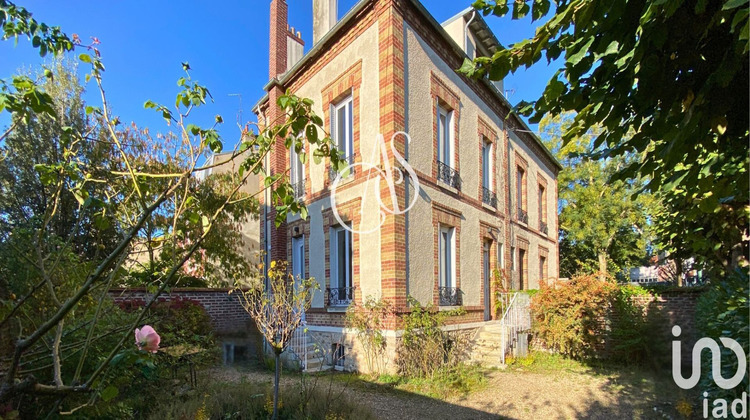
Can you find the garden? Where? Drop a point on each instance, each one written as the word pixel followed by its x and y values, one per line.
pixel 655 163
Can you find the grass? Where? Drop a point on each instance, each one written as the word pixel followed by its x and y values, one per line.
pixel 456 382
pixel 246 400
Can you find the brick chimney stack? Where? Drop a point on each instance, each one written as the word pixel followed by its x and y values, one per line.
pixel 277 65
pixel 277 40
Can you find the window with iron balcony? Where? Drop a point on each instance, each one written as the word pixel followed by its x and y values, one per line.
pixel 446 165
pixel 340 291
pixel 488 195
pixel 448 292
pixel 521 214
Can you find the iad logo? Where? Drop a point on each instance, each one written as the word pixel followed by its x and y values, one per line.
pixel 387 174
pixel 720 410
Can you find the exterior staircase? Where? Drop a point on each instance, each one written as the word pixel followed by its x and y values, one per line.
pixel 497 339
pixel 488 343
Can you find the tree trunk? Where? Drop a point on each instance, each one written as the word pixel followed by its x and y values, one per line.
pixel 678 271
pixel 277 357
pixel 602 266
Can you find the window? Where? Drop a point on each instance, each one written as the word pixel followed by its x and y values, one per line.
pixel 341 291
pixel 338 356
pixel 298 256
pixel 542 268
pixel 296 173
pixel 487 164
pixel 447 257
pixel 445 136
pixel 501 255
pixel 522 216
pixel 449 294
pixel 342 126
pixel 542 209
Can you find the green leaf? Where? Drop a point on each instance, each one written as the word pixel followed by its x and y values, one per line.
pixel 85 58
pixel 109 393
pixel 733 4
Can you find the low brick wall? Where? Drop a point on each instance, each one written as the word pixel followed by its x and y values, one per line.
pixel 667 309
pixel 227 314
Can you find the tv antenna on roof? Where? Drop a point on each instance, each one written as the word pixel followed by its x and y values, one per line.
pixel 509 93
pixel 239 111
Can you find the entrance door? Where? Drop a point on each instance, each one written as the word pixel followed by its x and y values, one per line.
pixel 487 291
pixel 298 261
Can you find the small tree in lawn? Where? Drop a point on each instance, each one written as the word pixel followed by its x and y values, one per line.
pixel 277 311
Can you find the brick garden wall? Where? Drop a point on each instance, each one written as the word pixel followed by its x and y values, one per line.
pixel 227 315
pixel 668 309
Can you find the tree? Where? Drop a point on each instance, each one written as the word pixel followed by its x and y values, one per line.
pixel 666 81
pixel 277 311
pixel 600 221
pixel 125 192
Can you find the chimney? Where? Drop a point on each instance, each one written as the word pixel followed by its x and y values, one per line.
pixel 325 13
pixel 277 48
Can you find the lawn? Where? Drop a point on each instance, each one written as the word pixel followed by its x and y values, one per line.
pixel 540 386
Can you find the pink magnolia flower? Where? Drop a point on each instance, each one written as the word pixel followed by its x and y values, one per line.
pixel 147 339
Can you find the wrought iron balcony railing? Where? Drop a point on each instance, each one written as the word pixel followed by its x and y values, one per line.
pixel 332 173
pixel 448 175
pixel 522 216
pixel 489 197
pixel 450 296
pixel 299 189
pixel 340 296
pixel 543 227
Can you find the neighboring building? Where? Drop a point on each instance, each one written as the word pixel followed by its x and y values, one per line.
pixel 488 190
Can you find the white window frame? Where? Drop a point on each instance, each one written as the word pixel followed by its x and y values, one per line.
pixel 296 168
pixel 445 136
pixel 449 233
pixel 501 254
pixel 298 256
pixel 487 164
pixel 345 143
pixel 334 257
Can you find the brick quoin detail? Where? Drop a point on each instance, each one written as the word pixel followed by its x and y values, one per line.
pixel 392 105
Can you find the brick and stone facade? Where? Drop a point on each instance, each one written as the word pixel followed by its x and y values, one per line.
pixel 397 64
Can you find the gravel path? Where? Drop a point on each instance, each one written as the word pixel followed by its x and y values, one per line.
pixel 508 394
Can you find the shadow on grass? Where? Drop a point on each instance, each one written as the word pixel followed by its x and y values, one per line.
pixel 548 387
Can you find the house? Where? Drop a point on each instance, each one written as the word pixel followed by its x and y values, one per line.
pixel 482 191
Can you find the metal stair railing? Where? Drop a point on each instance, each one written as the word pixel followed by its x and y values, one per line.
pixel 298 344
pixel 516 318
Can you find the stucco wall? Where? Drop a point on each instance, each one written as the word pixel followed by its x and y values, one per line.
pixel 420 61
pixel 364 48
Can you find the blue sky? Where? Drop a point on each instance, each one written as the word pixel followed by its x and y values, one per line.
pixel 226 44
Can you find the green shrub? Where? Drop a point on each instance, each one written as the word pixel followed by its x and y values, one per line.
pixel 569 317
pixel 723 311
pixel 425 348
pixel 254 401
pixel 589 318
